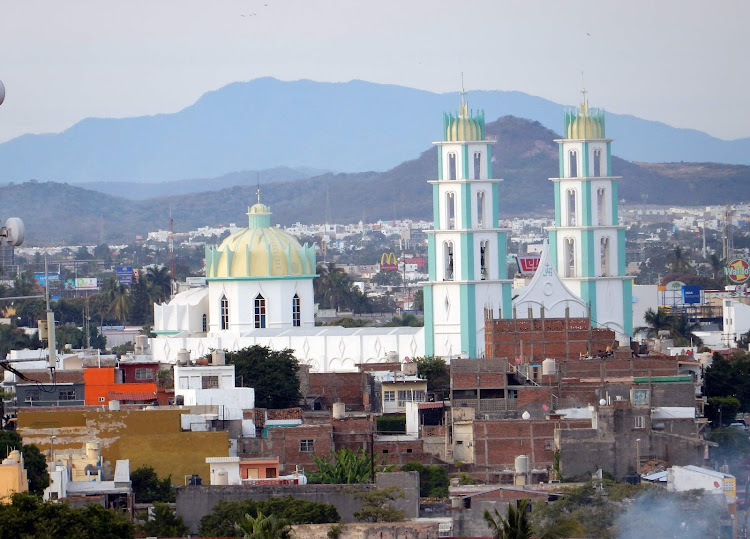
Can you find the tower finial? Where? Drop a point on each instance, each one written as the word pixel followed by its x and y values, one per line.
pixel 464 111
pixel 258 192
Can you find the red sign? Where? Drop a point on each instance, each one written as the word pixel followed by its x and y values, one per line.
pixel 528 264
pixel 738 270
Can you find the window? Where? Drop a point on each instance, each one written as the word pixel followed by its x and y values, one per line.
pixel 144 374
pixel 419 395
pixel 260 311
pixel 477 165
pixel 307 446
pixel 728 486
pixel 571 196
pixel 67 395
pixel 450 210
pixel 604 258
pixel 224 310
pixel 204 322
pixel 597 162
pixel 640 422
pixel 389 396
pixel 448 261
pixel 408 449
pixel 209 382
pixel 480 209
pixel 601 209
pixel 570 257
pixel 484 247
pixel 452 166
pixel 573 160
pixel 549 445
pixel 385 451
pixel 296 318
pixel 32 395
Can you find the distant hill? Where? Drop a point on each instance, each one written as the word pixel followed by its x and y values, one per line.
pixel 524 154
pixel 267 123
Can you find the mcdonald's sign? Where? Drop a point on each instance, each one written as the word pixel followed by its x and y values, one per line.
pixel 388 262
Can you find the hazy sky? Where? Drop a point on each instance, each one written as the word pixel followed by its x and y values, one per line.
pixel 683 62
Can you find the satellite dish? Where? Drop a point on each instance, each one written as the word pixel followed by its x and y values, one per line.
pixel 14 231
pixel 2 92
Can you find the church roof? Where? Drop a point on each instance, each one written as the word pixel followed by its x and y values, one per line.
pixel 260 251
pixel 548 291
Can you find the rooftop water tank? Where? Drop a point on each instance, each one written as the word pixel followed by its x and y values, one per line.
pixel 339 410
pixel 549 366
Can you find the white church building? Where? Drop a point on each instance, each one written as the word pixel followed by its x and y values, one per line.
pixel 260 279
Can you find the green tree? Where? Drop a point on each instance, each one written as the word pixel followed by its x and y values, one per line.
pixel 418 300
pixel 220 521
pixel 346 467
pixel 333 287
pixel 387 278
pixel 27 516
pixel 12 338
pixel 433 480
pixel 680 260
pixel 377 505
pixel 165 523
pixel 406 319
pixel 263 527
pixel 159 283
pixel 656 321
pixel 272 373
pixel 148 488
pixel 117 299
pixel 721 411
pixel 435 371
pixel 69 334
pixel 515 525
pixel 142 308
pixel 683 331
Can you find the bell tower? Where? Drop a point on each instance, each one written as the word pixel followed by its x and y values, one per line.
pixel 467 249
pixel 587 242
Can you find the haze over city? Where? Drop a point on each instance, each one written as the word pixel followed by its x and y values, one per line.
pixel 679 62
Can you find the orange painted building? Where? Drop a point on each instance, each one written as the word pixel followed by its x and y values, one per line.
pixel 100 383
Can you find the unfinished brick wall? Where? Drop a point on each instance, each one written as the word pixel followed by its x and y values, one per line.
pixel 346 387
pixel 286 443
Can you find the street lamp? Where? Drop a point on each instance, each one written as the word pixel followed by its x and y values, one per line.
pixel 638 455
pixel 52 449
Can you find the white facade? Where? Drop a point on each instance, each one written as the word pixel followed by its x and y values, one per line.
pixel 736 321
pixel 683 478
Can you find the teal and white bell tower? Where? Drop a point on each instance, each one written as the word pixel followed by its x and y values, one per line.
pixel 467 249
pixel 587 243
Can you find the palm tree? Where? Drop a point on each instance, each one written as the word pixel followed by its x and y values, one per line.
pixel 263 527
pixel 518 526
pixel 333 287
pixel 683 331
pixel 656 321
pixel 117 298
pixel 159 283
pixel 679 263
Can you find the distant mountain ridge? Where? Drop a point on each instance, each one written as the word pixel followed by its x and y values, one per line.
pixel 267 123
pixel 525 156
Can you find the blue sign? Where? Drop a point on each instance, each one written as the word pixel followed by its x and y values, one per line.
pixel 125 274
pixel 691 294
pixel 39 277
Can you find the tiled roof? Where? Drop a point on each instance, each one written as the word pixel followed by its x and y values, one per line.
pixel 132 396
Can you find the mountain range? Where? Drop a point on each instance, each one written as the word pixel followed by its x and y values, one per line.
pixel 525 155
pixel 267 123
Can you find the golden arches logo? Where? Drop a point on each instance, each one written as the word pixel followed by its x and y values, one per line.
pixel 388 259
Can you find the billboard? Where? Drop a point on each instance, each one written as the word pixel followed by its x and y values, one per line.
pixel 125 274
pixel 388 262
pixel 527 264
pixel 39 277
pixel 691 294
pixel 738 270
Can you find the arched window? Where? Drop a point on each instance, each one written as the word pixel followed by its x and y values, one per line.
pixel 480 209
pixel 573 160
pixel 604 261
pixel 570 257
pixel 224 311
pixel 296 312
pixel 477 165
pixel 260 311
pixel 571 197
pixel 597 162
pixel 484 259
pixel 452 166
pixel 450 210
pixel 204 320
pixel 448 261
pixel 601 208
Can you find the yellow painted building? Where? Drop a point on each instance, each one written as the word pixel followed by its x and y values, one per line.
pixel 12 476
pixel 145 437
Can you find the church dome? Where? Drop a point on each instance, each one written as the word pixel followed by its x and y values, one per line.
pixel 260 251
pixel 463 126
pixel 584 124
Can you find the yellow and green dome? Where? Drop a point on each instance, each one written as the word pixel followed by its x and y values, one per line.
pixel 260 251
pixel 584 124
pixel 464 126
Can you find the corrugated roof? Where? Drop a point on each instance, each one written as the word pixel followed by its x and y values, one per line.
pixel 132 396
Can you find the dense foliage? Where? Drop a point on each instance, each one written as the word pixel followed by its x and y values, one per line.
pixel 165 523
pixel 272 373
pixel 729 378
pixel 263 527
pixel 391 424
pixel 220 522
pixel 433 480
pixel 377 505
pixel 148 488
pixel 346 467
pixel 27 516
pixel 435 370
